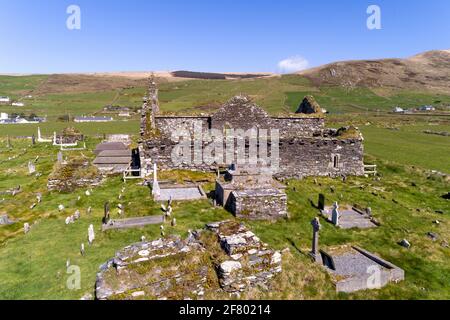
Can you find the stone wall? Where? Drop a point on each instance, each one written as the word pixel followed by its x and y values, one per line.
pixel 261 204
pixel 303 157
pixel 295 127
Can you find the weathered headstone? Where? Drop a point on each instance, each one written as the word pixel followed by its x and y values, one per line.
pixel 405 243
pixel 106 217
pixel 156 191
pixel 82 251
pixel 87 193
pixel 60 208
pixel 335 215
pixel 39 198
pixel 91 234
pixel 77 215
pixel 89 210
pixel 315 223
pixel 59 157
pixel 369 211
pixel 4 219
pixel 67 221
pixel 31 167
pixel 174 222
pixel 26 228
pixel 33 140
pixel 321 201
pixel 8 143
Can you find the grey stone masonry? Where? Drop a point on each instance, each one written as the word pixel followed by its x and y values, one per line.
pixel 250 192
pixel 306 147
pixel 251 262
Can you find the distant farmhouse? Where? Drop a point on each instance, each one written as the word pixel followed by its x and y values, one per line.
pixel 93 119
pixel 5 100
pixel 398 110
pixel 18 104
pixel 4 119
pixel 427 108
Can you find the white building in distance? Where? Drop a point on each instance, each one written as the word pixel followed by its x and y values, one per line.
pixel 93 119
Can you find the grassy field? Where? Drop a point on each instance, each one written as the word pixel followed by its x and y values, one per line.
pixel 404 200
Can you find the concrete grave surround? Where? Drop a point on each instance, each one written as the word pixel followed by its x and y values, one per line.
pixel 350 217
pixel 353 269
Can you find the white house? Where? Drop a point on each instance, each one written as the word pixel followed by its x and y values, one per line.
pixel 427 108
pixel 18 104
pixel 5 99
pixel 93 119
pixel 3 116
pixel 398 110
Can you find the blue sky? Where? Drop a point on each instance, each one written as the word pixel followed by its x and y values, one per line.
pixel 212 35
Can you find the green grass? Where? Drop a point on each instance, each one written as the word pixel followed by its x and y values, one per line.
pixel 33 265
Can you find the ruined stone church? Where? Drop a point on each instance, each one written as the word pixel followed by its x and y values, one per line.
pixel 306 146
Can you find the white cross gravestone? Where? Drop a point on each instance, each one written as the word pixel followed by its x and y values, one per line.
pixel 335 215
pixel 91 234
pixel 156 191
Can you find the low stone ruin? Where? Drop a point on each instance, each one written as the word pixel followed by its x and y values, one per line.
pixel 251 262
pixel 223 256
pixel 73 174
pixel 163 269
pixel 250 192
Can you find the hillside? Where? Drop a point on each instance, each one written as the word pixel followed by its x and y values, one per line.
pixel 429 71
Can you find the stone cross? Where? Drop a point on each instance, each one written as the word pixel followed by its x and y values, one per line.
pixel 106 213
pixel 156 191
pixel 91 234
pixel 315 223
pixel 335 215
pixel 321 201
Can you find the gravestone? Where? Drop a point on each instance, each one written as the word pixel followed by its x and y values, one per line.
pixel 77 215
pixel 26 228
pixel 39 198
pixel 335 215
pixel 59 157
pixel 91 234
pixel 82 251
pixel 4 219
pixel 33 140
pixel 60 208
pixel 89 210
pixel 156 191
pixel 8 143
pixel 315 223
pixel 174 222
pixel 321 201
pixel 67 221
pixel 106 216
pixel 31 167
